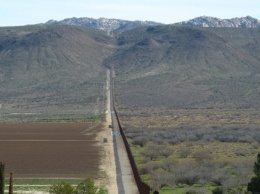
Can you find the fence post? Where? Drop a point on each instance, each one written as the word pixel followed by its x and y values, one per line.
pixel 11 184
pixel 2 178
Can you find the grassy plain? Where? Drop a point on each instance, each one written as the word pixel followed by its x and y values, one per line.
pixel 191 117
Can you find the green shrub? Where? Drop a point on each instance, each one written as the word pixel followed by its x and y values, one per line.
pixel 218 190
pixel 254 184
pixel 103 190
pixel 86 187
pixel 62 188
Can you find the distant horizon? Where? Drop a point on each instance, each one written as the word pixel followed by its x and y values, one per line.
pixel 151 20
pixel 30 12
pixel 132 20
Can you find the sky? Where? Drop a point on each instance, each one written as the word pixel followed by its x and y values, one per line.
pixel 24 12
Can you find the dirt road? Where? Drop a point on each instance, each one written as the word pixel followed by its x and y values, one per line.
pixel 125 179
pixel 108 163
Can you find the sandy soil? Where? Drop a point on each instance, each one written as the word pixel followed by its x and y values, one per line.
pixel 108 161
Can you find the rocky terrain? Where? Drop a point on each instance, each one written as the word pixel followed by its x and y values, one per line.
pixel 53 68
pixel 204 21
pixel 117 25
pixel 105 24
pixel 47 68
pixel 175 67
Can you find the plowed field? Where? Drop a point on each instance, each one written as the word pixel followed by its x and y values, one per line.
pixel 53 150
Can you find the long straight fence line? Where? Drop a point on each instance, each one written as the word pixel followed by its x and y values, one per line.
pixel 142 187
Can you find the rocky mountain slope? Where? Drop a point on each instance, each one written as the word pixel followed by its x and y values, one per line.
pixel 105 24
pixel 244 22
pixel 179 67
pixel 53 68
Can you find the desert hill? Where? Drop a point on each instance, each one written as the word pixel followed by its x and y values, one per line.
pixel 49 68
pixel 179 67
pixel 56 68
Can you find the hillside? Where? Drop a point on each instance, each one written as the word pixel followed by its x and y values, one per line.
pixel 169 67
pixel 53 69
pixel 60 69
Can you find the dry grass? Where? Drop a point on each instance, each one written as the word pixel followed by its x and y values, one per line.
pixel 193 117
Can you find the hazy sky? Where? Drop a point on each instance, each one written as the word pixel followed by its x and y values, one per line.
pixel 23 12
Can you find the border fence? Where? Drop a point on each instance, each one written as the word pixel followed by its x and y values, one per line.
pixel 142 187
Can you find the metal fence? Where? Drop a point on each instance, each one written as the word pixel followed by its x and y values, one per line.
pixel 142 187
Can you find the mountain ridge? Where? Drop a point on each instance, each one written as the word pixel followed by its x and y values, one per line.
pixel 118 25
pixel 103 23
pixel 55 68
pixel 207 21
pixel 182 67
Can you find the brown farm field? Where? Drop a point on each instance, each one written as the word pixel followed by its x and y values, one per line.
pixel 50 150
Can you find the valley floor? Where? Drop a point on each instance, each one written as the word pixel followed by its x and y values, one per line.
pixel 195 150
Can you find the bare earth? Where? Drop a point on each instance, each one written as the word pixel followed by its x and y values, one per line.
pixel 108 161
pixel 50 150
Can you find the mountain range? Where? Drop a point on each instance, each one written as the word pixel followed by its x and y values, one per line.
pixel 62 68
pixel 105 24
pixel 118 25
pixel 179 67
pixel 243 22
pixel 53 68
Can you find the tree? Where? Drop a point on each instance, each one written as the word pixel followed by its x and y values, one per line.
pixel 62 188
pixel 254 184
pixel 151 151
pixel 86 187
pixel 184 152
pixel 2 177
pixel 257 166
pixel 218 190
pixel 160 179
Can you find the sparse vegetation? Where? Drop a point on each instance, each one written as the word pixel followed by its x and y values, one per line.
pixel 52 69
pixel 199 155
pixel 185 89
pixel 62 188
pixel 169 67
pixel 189 103
pixel 86 186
